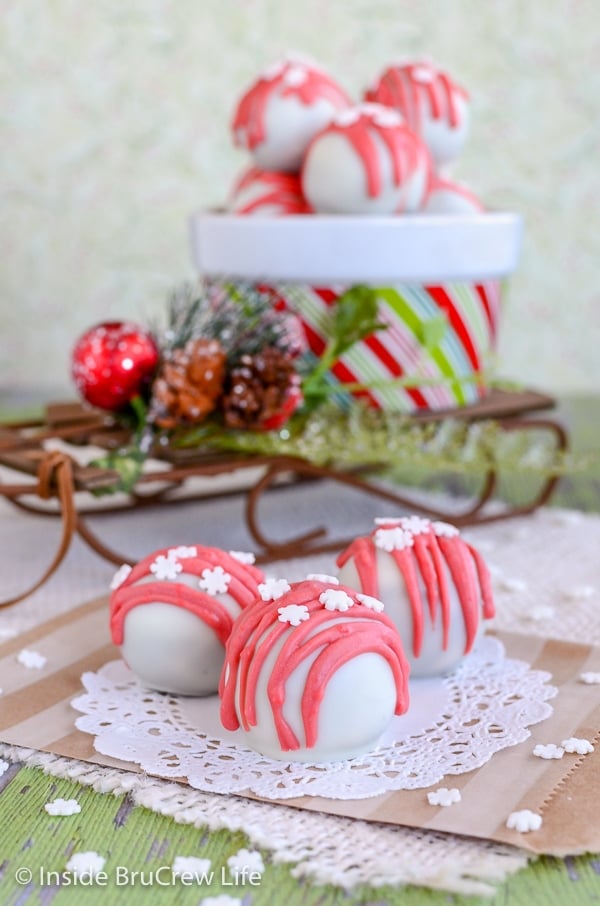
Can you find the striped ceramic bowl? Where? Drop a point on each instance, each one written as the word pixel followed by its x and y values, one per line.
pixel 438 280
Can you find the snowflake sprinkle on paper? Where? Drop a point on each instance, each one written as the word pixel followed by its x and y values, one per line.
pixel 120 576
pixel 336 599
pixel 222 900
pixel 444 796
pixel 214 581
pixel 445 529
pixel 393 539
pixel 548 751
pixel 246 557
pixel 271 588
pixel 165 568
pixel 590 679
pixel 4 766
pixel 575 746
pixel 246 861
pixel 323 577
pixel 63 807
pixel 371 602
pixel 508 584
pixel 524 821
pixel 31 659
pixel 191 865
pixel 182 552
pixel 294 614
pixel 86 864
pixel 388 520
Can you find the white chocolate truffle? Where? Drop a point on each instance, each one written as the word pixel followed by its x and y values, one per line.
pixel 435 587
pixel 366 162
pixel 315 674
pixel 172 613
pixel 261 193
pixel 449 197
pixel 433 105
pixel 280 113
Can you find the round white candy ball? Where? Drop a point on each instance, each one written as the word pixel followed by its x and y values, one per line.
pixel 280 113
pixel 435 588
pixel 366 162
pixel 433 105
pixel 314 675
pixel 172 613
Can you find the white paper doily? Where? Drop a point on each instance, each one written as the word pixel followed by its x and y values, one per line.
pixel 455 724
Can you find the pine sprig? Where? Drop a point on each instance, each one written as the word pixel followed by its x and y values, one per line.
pixel 366 437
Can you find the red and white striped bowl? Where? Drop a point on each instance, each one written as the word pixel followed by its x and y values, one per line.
pixel 428 270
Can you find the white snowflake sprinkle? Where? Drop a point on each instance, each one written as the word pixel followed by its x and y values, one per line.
pixel 347 117
pixel 445 529
pixel 415 525
pixel 393 539
pixel 295 76
pixel 524 821
pixel 63 807
pixel 336 599
pixel 548 751
pixel 388 520
pixel 371 602
pixel 541 612
pixel 4 766
pixel 590 679
pixel 575 746
pixel 214 581
pixel 246 557
pixel 223 899
pixel 182 552
pixel 444 796
pixel 165 568
pixel 387 119
pixel 512 584
pixel 294 614
pixel 120 576
pixel 191 865
pixel 271 588
pixel 31 659
pixel 86 864
pixel 323 577
pixel 579 593
pixel 246 861
pixel 423 75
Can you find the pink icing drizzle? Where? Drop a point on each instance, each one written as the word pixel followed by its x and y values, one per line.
pixel 427 561
pixel 243 588
pixel 398 87
pixel 249 117
pixel 405 150
pixel 281 190
pixel 258 630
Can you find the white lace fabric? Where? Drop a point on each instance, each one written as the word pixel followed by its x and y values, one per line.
pixel 461 721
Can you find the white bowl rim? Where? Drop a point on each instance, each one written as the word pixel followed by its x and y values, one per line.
pixel 326 249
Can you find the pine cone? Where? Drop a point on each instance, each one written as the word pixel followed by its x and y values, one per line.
pixel 189 384
pixel 257 388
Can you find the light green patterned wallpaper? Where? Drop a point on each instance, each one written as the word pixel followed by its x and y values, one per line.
pixel 114 126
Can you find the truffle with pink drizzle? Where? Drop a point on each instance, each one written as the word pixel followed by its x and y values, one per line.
pixel 314 671
pixel 366 161
pixel 436 588
pixel 172 613
pixel 262 193
pixel 279 114
pixel 432 104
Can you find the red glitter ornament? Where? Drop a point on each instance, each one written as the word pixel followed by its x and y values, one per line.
pixel 112 363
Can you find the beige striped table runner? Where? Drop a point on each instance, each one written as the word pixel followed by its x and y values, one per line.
pixel 35 712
